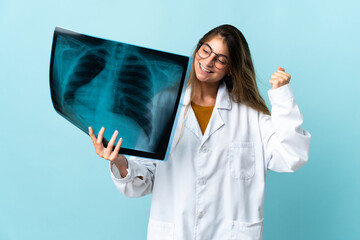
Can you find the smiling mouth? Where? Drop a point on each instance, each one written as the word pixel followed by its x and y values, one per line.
pixel 204 69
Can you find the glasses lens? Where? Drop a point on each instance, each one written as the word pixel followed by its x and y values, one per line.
pixel 221 62
pixel 204 51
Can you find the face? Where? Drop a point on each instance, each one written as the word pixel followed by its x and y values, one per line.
pixel 205 69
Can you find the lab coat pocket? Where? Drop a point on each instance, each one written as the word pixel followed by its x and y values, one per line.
pixel 158 230
pixel 241 158
pixel 246 230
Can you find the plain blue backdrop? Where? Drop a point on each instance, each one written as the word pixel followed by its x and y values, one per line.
pixel 53 185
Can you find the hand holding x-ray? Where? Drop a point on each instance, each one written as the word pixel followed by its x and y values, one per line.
pixel 109 152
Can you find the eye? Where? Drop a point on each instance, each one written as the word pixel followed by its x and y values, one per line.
pixel 205 50
pixel 219 61
pixel 222 60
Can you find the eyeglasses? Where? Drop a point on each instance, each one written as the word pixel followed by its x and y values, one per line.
pixel 204 51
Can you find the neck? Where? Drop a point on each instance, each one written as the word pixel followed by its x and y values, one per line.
pixel 205 94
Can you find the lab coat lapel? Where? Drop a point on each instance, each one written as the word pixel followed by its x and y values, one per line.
pixel 216 121
pixel 214 124
pixel 190 121
pixel 192 124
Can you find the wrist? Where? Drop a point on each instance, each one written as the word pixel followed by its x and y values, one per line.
pixel 120 160
pixel 122 165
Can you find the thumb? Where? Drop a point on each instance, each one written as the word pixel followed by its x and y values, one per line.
pixel 281 69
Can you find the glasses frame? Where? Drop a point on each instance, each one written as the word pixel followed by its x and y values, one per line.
pixel 216 55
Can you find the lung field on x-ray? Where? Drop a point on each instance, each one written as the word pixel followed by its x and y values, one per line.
pixel 87 68
pixel 126 78
pixel 134 91
pixel 129 78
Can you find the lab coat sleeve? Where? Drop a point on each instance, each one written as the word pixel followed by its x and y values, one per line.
pixel 139 180
pixel 286 144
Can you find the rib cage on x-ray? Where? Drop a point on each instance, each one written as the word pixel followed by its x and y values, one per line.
pixel 134 91
pixel 132 88
pixel 96 82
pixel 87 68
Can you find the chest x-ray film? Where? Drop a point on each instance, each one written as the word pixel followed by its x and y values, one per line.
pixel 135 90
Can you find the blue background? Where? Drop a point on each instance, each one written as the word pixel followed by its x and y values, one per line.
pixel 53 185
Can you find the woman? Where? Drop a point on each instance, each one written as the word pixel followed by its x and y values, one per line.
pixel 212 186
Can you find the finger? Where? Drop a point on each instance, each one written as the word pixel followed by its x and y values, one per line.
pixel 118 145
pixel 273 82
pixel 281 75
pixel 117 148
pixel 280 80
pixel 109 149
pixel 278 77
pixel 281 69
pixel 278 83
pixel 91 134
pixel 112 140
pixel 100 135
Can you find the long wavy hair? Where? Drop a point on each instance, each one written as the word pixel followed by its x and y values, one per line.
pixel 241 81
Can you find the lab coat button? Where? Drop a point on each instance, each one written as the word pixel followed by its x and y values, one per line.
pixel 200 214
pixel 202 181
pixel 203 149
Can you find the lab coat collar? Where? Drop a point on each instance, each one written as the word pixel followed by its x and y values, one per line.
pixel 216 121
pixel 222 98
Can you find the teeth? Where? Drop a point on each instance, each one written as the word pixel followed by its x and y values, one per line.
pixel 204 69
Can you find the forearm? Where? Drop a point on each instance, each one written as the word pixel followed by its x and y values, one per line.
pixel 286 143
pixel 122 165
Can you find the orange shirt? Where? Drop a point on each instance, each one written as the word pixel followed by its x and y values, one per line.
pixel 203 115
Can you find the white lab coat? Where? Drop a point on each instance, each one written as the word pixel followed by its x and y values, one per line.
pixel 212 186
